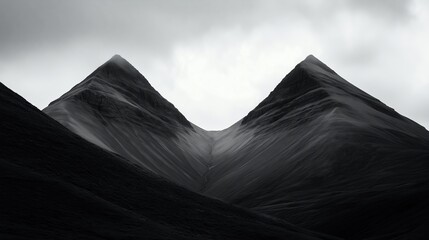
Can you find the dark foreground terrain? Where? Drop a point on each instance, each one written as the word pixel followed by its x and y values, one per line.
pixel 56 185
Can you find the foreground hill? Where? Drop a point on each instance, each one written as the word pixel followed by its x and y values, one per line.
pixel 317 152
pixel 56 185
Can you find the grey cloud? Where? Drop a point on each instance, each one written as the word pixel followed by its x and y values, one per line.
pixel 58 42
pixel 157 24
pixel 391 9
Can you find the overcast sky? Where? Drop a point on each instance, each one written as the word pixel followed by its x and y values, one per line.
pixel 216 60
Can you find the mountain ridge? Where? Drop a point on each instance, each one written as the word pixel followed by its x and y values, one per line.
pixel 300 155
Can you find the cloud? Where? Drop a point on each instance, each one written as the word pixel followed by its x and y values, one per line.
pixel 215 60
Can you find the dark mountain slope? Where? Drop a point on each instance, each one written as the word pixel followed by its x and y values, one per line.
pixel 56 185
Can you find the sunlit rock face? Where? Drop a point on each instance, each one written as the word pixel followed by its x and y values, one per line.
pixel 318 151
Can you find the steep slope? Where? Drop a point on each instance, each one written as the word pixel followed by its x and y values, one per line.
pixel 318 152
pixel 55 185
pixel 116 108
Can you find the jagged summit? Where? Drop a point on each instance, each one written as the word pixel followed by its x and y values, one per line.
pixel 119 62
pixel 117 58
pixel 311 59
pixel 117 91
pixel 310 89
pixel 117 70
pixel 299 89
pixel 309 73
pixel 311 62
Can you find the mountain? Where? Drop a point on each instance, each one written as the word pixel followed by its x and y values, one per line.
pixel 317 152
pixel 56 185
pixel 325 155
pixel 116 108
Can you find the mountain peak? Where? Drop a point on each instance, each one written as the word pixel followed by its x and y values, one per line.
pixel 117 59
pixel 298 89
pixel 307 74
pixel 115 72
pixel 305 88
pixel 312 89
pixel 117 65
pixel 311 57
pixel 119 92
pixel 313 65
